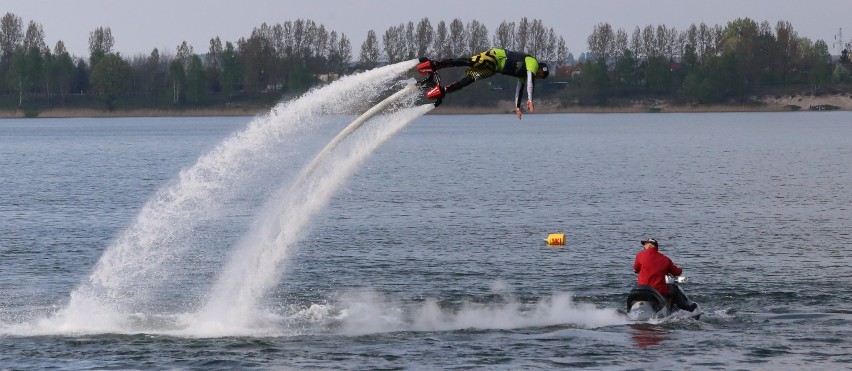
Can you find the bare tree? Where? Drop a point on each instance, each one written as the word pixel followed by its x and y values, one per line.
pixel 369 51
pixel 320 42
pixel 561 53
pixel 718 39
pixel 410 43
pixel 457 38
pixel 298 37
pixel 441 46
pixel 394 43
pixel 184 52
pixel 705 41
pixel 340 53
pixel 344 51
pixel 331 45
pixel 522 34
pixel 34 38
pixel 312 42
pixel 636 43
pixel 620 42
pixel 286 42
pixel 213 61
pixel 504 36
pixel 602 41
pixel 63 69
pixel 277 39
pixel 423 37
pixel 661 40
pixel 11 36
pixel 674 43
pixel 648 46
pixel 691 37
pixel 477 37
pixel 101 40
pixel 537 41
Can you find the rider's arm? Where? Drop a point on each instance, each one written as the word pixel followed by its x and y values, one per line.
pixel 674 270
pixel 530 85
pixel 518 88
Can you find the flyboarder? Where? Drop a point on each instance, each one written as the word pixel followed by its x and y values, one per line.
pixel 486 64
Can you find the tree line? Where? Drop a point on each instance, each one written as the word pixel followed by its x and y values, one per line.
pixel 285 58
pixel 705 64
pixel 702 64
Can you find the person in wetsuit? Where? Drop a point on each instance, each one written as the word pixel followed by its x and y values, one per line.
pixel 652 267
pixel 489 63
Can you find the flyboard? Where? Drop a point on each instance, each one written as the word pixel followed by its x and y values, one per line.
pixel 431 84
pixel 348 130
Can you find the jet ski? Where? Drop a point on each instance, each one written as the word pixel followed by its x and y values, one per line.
pixel 645 303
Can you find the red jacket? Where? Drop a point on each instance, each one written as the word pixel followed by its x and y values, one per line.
pixel 653 267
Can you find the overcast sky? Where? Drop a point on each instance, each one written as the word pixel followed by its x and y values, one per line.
pixel 140 26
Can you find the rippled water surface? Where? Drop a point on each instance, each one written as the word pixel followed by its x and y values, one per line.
pixel 432 253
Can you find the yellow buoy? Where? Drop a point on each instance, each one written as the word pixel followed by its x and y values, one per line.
pixel 557 239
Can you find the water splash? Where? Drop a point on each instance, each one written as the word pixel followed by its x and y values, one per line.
pixel 366 312
pixel 132 267
pixel 234 306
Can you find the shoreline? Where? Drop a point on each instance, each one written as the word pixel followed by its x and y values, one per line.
pixel 788 103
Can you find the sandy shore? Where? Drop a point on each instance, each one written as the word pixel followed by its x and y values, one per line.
pixel 844 101
pixel 767 104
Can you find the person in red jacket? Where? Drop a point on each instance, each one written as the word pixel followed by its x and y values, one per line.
pixel 652 267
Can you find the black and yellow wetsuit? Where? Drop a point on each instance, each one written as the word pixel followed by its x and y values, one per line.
pixel 488 63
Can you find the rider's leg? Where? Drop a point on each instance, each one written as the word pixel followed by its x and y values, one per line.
pixel 452 62
pixel 680 298
pixel 465 81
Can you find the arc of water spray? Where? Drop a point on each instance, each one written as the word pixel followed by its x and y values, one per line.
pixel 132 265
pixel 348 130
pixel 254 267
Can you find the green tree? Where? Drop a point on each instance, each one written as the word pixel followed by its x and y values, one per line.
pixel 35 64
pixel 213 65
pixel 101 43
pixel 111 79
pixel 658 76
pixel 11 37
pixel 196 80
pixel 840 74
pixel 626 70
pixel 231 71
pixel 62 71
pixel 80 79
pixel 820 59
pixel 178 77
pixel 152 75
pixel 258 62
pixel 594 85
pixel 17 75
pixel 369 51
pixel 740 39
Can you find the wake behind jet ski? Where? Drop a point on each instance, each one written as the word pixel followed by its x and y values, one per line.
pixel 645 303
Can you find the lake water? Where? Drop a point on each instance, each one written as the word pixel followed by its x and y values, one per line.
pixel 432 253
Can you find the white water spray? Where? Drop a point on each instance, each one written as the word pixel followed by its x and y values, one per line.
pixel 366 312
pixel 255 264
pixel 132 266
